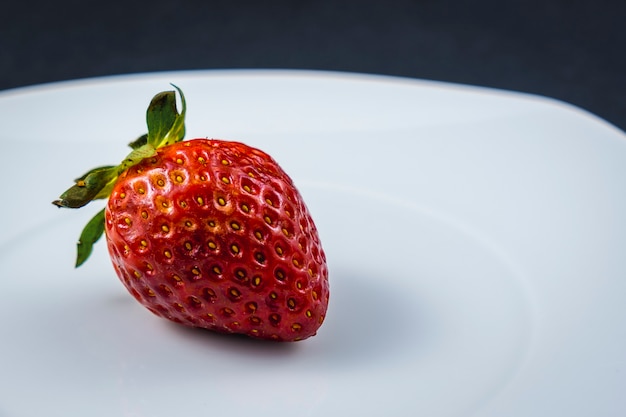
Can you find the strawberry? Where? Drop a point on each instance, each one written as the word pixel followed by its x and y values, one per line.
pixel 207 233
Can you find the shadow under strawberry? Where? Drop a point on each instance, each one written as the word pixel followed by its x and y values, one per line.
pixel 356 335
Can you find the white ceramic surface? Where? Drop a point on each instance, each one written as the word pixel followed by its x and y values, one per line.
pixel 476 242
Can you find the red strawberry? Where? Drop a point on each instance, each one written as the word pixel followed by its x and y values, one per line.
pixel 207 233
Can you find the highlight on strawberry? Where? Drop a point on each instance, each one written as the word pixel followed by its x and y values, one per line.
pixel 207 233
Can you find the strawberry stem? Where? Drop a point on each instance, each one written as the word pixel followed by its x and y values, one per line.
pixel 165 127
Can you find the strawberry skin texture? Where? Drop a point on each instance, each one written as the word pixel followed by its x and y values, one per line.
pixel 213 234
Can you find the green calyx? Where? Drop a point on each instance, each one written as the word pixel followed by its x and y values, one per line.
pixel 165 127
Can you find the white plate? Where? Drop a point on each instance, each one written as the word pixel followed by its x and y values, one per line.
pixel 476 242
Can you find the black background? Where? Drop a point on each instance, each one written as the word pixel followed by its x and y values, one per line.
pixel 571 50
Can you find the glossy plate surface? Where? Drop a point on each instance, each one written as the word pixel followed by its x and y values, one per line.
pixel 476 242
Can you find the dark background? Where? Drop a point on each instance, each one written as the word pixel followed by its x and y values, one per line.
pixel 571 50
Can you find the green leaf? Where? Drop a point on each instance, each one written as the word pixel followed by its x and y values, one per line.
pixel 90 235
pixel 91 171
pixel 136 156
pixel 139 142
pixel 165 125
pixel 160 116
pixel 87 188
pixel 177 131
